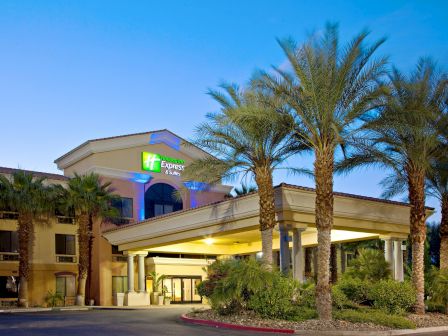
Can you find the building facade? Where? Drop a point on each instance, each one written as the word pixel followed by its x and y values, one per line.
pixel 176 227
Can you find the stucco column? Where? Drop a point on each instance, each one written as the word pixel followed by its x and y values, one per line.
pixel 141 273
pixel 284 250
pixel 389 253
pixel 130 273
pixel 297 255
pixel 398 261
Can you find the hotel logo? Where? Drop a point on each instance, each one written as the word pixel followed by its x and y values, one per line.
pixel 155 162
pixel 151 162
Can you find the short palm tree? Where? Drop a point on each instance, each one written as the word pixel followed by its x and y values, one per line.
pixel 404 137
pixel 329 88
pixel 252 134
pixel 28 196
pixel 90 198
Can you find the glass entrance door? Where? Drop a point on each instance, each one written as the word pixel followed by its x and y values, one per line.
pixel 183 289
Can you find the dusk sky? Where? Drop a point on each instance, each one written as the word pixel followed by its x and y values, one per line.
pixel 77 70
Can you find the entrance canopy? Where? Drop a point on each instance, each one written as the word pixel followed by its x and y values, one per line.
pixel 231 226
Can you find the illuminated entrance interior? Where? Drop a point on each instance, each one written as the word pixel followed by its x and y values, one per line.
pixel 182 289
pixel 160 200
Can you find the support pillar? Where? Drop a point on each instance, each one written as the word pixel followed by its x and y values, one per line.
pixel 389 253
pixel 398 261
pixel 130 273
pixel 297 255
pixel 141 273
pixel 284 251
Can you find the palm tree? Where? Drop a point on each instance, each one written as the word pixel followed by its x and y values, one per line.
pixel 404 137
pixel 90 199
pixel 28 196
pixel 438 187
pixel 251 134
pixel 328 88
pixel 244 189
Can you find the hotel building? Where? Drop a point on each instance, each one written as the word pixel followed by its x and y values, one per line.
pixel 158 231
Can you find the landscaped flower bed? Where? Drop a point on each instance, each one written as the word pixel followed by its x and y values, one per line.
pixel 249 318
pixel 246 293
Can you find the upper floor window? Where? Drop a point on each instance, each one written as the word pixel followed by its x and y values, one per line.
pixel 9 241
pixel 124 205
pixel 161 199
pixel 65 244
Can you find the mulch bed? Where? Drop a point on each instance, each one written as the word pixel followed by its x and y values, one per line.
pixel 248 318
pixel 429 320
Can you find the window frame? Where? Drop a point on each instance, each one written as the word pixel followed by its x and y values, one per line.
pixel 65 244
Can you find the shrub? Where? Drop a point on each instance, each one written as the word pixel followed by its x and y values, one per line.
pixel 231 283
pixel 53 299
pixel 274 299
pixel 369 265
pixel 374 316
pixel 438 289
pixel 340 300
pixel 355 289
pixel 307 295
pixel 301 313
pixel 392 296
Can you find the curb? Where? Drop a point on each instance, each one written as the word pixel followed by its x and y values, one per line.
pixel 42 310
pixel 216 324
pixel 396 332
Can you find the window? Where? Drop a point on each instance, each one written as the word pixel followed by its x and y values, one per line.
pixel 9 241
pixel 160 199
pixel 66 285
pixel 65 244
pixel 115 250
pixel 124 206
pixel 119 284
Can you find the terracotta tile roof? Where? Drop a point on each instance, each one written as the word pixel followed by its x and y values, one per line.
pixel 51 176
pixel 282 185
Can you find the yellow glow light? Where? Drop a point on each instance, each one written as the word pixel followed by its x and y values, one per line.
pixel 209 241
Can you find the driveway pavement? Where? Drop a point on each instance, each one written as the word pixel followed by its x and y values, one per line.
pixel 111 322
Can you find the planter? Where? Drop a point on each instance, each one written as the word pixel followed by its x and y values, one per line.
pixel 118 299
pixel 161 298
pixel 167 301
pixel 155 298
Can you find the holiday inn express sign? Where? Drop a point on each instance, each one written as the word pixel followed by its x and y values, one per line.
pixel 157 163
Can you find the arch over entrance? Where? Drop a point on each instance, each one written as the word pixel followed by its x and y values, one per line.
pixel 160 200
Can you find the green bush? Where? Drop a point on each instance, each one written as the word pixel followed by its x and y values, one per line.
pixel 340 300
pixel 438 289
pixel 301 313
pixel 307 295
pixel 274 299
pixel 369 265
pixel 355 289
pixel 392 296
pixel 374 316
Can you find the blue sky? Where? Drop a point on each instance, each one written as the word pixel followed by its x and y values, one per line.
pixel 77 70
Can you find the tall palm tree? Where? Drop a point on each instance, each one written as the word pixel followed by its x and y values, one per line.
pixel 90 199
pixel 404 137
pixel 438 187
pixel 328 88
pixel 251 134
pixel 28 196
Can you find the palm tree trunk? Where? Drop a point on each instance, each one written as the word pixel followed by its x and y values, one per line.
pixel 83 264
pixel 444 233
pixel 323 170
pixel 263 178
pixel 416 181
pixel 25 227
